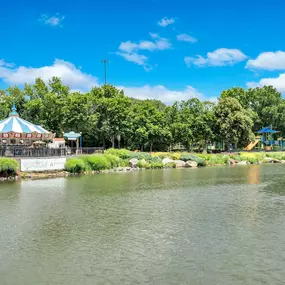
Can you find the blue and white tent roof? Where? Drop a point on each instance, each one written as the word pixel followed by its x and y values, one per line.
pixel 17 125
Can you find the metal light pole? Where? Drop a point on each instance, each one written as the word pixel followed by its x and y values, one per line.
pixel 105 61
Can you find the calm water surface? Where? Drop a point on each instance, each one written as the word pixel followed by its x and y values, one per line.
pixel 190 226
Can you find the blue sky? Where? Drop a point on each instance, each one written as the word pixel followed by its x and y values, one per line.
pixel 169 50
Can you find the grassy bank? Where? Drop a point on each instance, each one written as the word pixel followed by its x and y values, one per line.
pixel 8 167
pixel 114 158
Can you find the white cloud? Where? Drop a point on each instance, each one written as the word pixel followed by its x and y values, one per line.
pixel 154 36
pixel 186 38
pixel 6 64
pixel 130 50
pixel 277 82
pixel 164 22
pixel 219 57
pixel 69 73
pixel 268 60
pixel 160 92
pixel 55 20
pixel 158 44
pixel 134 57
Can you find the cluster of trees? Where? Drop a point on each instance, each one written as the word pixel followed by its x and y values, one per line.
pixel 106 117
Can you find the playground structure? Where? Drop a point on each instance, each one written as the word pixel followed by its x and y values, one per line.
pixel 265 141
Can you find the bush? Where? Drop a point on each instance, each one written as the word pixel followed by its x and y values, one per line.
pixel 175 155
pixel 143 164
pixel 112 159
pixel 124 162
pixel 98 162
pixel 143 155
pixel 121 153
pixel 75 165
pixel 188 156
pixel 8 167
pixel 217 159
pixel 252 157
pixel 161 155
pixel 277 155
pixel 170 165
pixel 156 164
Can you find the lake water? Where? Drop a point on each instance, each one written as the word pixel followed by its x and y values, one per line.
pixel 207 226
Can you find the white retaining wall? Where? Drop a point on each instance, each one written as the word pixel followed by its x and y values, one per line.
pixel 42 164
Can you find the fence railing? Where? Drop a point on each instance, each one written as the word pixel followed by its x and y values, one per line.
pixel 13 151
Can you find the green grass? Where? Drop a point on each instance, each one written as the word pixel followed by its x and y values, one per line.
pixel 75 165
pixel 8 167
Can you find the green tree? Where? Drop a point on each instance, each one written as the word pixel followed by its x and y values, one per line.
pixel 233 123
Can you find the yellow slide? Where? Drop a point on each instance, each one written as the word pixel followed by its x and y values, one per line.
pixel 251 145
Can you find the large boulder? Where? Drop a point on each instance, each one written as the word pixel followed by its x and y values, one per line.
pixel 191 163
pixel 179 163
pixel 133 162
pixel 167 160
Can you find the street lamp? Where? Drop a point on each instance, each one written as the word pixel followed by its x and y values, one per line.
pixel 105 61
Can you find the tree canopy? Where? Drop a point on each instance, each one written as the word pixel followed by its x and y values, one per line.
pixel 107 117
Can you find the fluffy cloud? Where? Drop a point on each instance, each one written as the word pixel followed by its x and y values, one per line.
pixel 268 60
pixel 158 44
pixel 130 50
pixel 164 22
pixel 219 57
pixel 69 73
pixel 277 82
pixel 134 57
pixel 52 20
pixel 77 80
pixel 186 38
pixel 160 92
pixel 6 64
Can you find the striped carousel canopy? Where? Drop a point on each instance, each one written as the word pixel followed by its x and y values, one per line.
pixel 17 125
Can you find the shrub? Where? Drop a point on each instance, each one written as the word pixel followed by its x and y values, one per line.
pixel 156 164
pixel 75 165
pixel 123 162
pixel 175 155
pixel 121 153
pixel 8 167
pixel 143 164
pixel 252 157
pixel 112 159
pixel 162 155
pixel 170 165
pixel 143 155
pixel 217 159
pixel 98 162
pixel 277 155
pixel 188 156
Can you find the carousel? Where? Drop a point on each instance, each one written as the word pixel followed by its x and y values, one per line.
pixel 16 132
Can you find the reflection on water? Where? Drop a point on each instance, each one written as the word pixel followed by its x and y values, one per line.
pixel 215 225
pixel 254 174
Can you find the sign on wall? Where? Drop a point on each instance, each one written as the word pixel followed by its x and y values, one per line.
pixel 43 164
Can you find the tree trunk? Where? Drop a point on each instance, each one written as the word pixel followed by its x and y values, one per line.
pixel 113 141
pixel 119 144
pixel 142 147
pixel 104 145
pixel 205 147
pixel 150 147
pixel 170 147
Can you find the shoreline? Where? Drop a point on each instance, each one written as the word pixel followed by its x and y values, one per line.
pixel 59 174
pixel 110 163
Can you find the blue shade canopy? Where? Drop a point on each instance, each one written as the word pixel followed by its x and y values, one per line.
pixel 71 135
pixel 267 130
